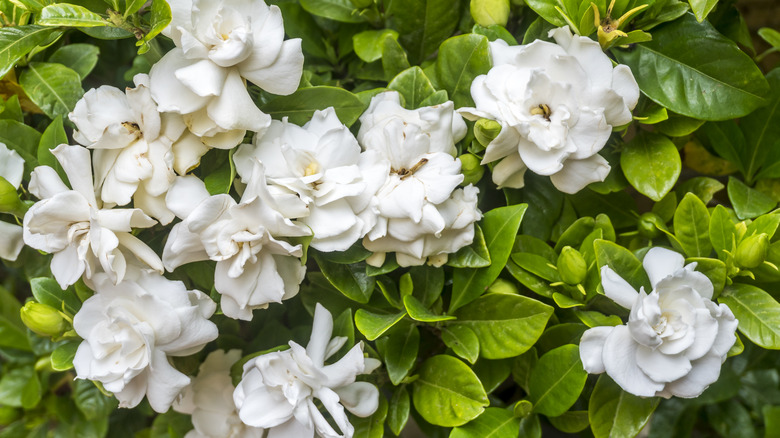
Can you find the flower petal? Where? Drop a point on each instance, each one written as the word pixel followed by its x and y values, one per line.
pixel 620 352
pixel 592 349
pixel 617 289
pixel 576 174
pixel 662 367
pixel 660 263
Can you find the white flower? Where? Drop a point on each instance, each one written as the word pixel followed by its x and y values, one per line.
pixel 277 390
pixel 220 44
pixel 131 328
pixel 676 338
pixel 11 169
pixel 209 399
pixel 132 143
pixel 73 226
pixel 322 163
pixel 421 213
pixel 557 104
pixel 254 267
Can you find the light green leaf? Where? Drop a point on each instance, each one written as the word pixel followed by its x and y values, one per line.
pixel 693 70
pixel 413 85
pixel 159 20
pixel 463 341
pixel 557 381
pixel 338 10
pixel 373 325
pixel 701 186
pixel 53 87
pixel 300 106
pixel 571 421
pixel 500 226
pixel 546 10
pixel 475 255
pixel 447 392
pixel 692 225
pixel 424 24
pixel 418 312
pixel 678 126
pixel 747 202
pixel 622 261
pixel 47 291
pixel 62 356
pixel 369 43
pixel 399 351
pixel 702 8
pixel 506 325
pixel 65 14
pixel 723 233
pixel 493 423
pixel 758 314
pixel 133 6
pixel 651 164
pixel 398 412
pixel 591 318
pixel 615 413
pixel 17 41
pixel 762 133
pixel 461 59
pixel 79 57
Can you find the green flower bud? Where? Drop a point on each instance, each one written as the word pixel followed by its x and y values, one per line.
pixel 572 266
pixel 751 252
pixel 43 319
pixel 471 169
pixel 649 225
pixel 489 12
pixel 362 4
pixel 501 286
pixel 485 130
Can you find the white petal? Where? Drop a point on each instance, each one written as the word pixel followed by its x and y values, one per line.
pixel 11 240
pixel 11 165
pixel 704 373
pixel 77 165
pixel 321 330
pixel 510 172
pixel 234 109
pixel 45 183
pixel 169 92
pixel 281 77
pixel 660 263
pixel 592 349
pixel 662 367
pixel 165 383
pixel 620 353
pixel 67 266
pixel 617 289
pixel 203 78
pixel 576 174
pixel 186 193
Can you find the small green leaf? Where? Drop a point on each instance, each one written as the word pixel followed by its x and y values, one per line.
pixel 701 186
pixel 413 85
pixel 571 421
pixel 47 291
pixel 622 261
pixel 557 381
pixel 424 24
pixel 747 202
pixel 64 14
pixel 159 20
pixel 428 283
pixel 475 255
pixel 615 413
pixel 369 43
pixel 463 341
pixel 723 233
pixel 678 126
pixel 702 8
pixel 399 351
pixel 62 356
pixel 447 392
pixel 758 314
pixel 351 280
pixel 493 423
pixel 17 41
pixel 79 57
pixel 398 412
pixel 338 10
pixel 591 318
pixel 53 87
pixel 692 225
pixel 651 164
pixel 300 106
pixel 418 312
pixel 373 325
pixel 461 59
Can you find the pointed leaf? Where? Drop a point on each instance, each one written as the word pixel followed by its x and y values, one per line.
pixel 616 413
pixel 53 87
pixel 557 381
pixel 758 314
pixel 651 164
pixel 373 325
pixel 692 225
pixel 447 392
pixel 17 41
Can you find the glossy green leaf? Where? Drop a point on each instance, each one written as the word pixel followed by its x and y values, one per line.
pixel 11 109
pixel 53 87
pixel 762 133
pixel 90 401
pixel 300 106
pixel 13 383
pixel 748 202
pixel 373 325
pixel 65 14
pixel 619 206
pixel 351 280
pixel 424 24
pixel 571 421
pixel 394 58
pixel 447 392
pixel 622 261
pixel 17 41
pixel 475 255
pixel 338 10
pixel 460 60
pixel 79 57
pixel 506 325
pixel 615 413
pixel 354 254
pixel 418 312
pixel 493 423
pixel 492 373
pixel 428 283
pixel 398 412
pixel 399 351
pixel 574 234
pixel 693 70
pixel 757 311
pixel 48 292
pixel 500 226
pixel 53 136
pixel 557 381
pixel 651 164
pixel 495 32
pixel 62 356
pixel 678 126
pixel 723 233
pixel 691 226
pixel 701 186
pixel 368 44
pixel 591 318
pixel 702 8
pixel 547 10
pixel 463 341
pixel 413 85
pixel 537 265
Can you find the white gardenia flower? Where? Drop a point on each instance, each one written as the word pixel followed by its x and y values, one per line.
pixel 557 105
pixel 254 267
pixel 277 390
pixel 220 45
pixel 676 337
pixel 71 224
pixel 209 399
pixel 11 169
pixel 321 163
pixel 132 141
pixel 131 328
pixel 421 212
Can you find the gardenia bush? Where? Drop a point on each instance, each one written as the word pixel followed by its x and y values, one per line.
pixel 359 218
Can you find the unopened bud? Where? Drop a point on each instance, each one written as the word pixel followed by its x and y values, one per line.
pixel 485 130
pixel 489 12
pixel 649 225
pixel 471 169
pixel 501 286
pixel 43 319
pixel 751 252
pixel 572 266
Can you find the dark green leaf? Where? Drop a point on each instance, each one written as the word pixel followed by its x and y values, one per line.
pixel 48 292
pixel 461 59
pixel 372 426
pixel 300 106
pixel 90 401
pixel 399 351
pixel 338 10
pixel 79 57
pixel 62 356
pixel 53 87
pixel 351 280
pixel 475 255
pixel 557 381
pixel 398 412
pixel 424 24
pixel 493 423
pixel 616 413
pixel 762 132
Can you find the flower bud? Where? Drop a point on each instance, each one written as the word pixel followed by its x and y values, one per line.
pixel 501 286
pixel 751 252
pixel 471 169
pixel 572 266
pixel 489 12
pixel 485 130
pixel 649 225
pixel 43 319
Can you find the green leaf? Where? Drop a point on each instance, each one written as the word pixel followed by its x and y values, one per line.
pixel 615 413
pixel 17 41
pixel 53 136
pixel 547 10
pixel 31 392
pixel 591 318
pixel 79 57
pixel 418 312
pixel 651 164
pixel 678 126
pixel 771 420
pixel 692 225
pixel 394 58
pixel 369 43
pixel 399 351
pixel 537 265
pixel 300 106
pixel 531 281
pixel 428 283
pixel 461 59
pixel 413 85
pixel 758 314
pixel 447 392
pixel 159 20
pixel 424 24
pixel 747 202
pixel 506 325
pixel 47 291
pixel 13 383
pixel 500 226
pixel 723 233
pixel 463 341
pixel 622 261
pixel 13 336
pixel 351 280
pixel 62 356
pixel 338 10
pixel 702 8
pixel 398 412
pixel 571 421
pixel 714 269
pixel 693 70
pixel 90 401
pixel 701 186
pixel 619 206
pixel 495 32
pixel 762 132
pixel 64 14
pixel 493 423
pixel 11 109
pixel 557 381
pixel 475 255
pixel 372 426
pixel 373 325
pixel 53 87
